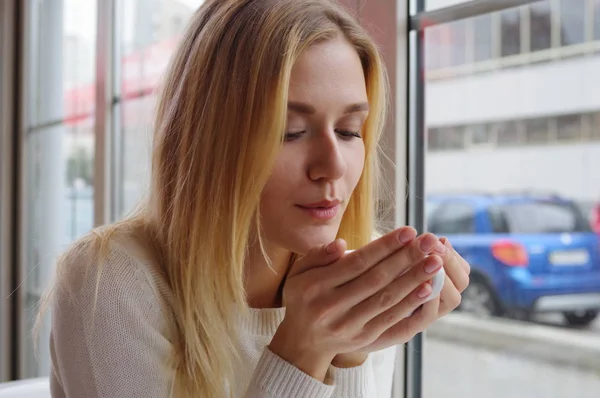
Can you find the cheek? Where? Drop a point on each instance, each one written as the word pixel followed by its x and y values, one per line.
pixel 281 181
pixel 355 166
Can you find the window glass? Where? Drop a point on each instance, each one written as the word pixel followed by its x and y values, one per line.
pixel 508 133
pixel 595 127
pixel 537 131
pixel 151 30
pixel 510 32
pixel 537 217
pixel 480 134
pixel 540 25
pixel 59 146
pixel 482 32
pixel 597 19
pixel 447 138
pixel 572 21
pixel 569 127
pixel 536 188
pixel 454 218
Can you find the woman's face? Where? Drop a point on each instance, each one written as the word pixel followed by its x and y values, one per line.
pixel 322 157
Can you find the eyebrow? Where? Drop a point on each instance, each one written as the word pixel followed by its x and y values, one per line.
pixel 301 107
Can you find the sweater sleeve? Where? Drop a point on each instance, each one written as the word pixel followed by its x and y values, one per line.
pixel 372 379
pixel 275 378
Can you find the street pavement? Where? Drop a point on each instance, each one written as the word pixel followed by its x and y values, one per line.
pixel 557 320
pixel 455 370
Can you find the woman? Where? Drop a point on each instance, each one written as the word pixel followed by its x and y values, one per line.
pixel 232 280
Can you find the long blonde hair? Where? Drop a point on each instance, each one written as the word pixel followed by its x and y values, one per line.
pixel 218 129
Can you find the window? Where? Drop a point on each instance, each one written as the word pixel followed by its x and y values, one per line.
pixel 453 218
pixel 480 134
pixel 151 31
pixel 537 131
pixel 538 217
pixel 526 185
pixel 508 133
pixel 595 128
pixel 540 27
pixel 453 45
pixel 433 55
pixel 569 127
pixel 482 32
pixel 510 32
pixel 597 19
pixel 447 138
pixel 572 21
pixel 59 144
pixel 498 221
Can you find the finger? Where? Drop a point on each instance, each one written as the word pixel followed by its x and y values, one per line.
pixel 380 323
pixel 319 256
pixel 380 300
pixel 408 327
pixel 450 297
pixel 463 262
pixel 454 268
pixel 379 276
pixel 358 261
pixel 391 259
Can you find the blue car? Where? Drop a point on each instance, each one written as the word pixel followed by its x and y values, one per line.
pixel 529 254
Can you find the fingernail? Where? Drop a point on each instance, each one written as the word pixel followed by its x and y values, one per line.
pixel 405 235
pixel 432 264
pixel 439 248
pixel 426 245
pixel 424 291
pixel 331 248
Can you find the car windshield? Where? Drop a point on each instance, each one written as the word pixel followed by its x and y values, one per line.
pixel 538 217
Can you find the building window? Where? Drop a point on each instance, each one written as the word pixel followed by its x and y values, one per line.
pixel 597 19
pixel 572 21
pixel 446 138
pixel 454 44
pixel 569 127
pixel 537 131
pixel 482 31
pixel 508 133
pixel 433 47
pixel 540 27
pixel 510 32
pixel 595 128
pixel 480 134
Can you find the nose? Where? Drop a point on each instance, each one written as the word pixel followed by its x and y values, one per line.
pixel 327 160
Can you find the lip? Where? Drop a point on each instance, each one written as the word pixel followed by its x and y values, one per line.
pixel 323 210
pixel 322 204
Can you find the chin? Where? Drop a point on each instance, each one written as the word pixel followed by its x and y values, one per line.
pixel 306 241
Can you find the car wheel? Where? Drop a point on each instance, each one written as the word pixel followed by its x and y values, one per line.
pixel 479 299
pixel 580 318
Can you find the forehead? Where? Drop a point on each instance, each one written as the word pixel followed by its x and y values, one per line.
pixel 327 70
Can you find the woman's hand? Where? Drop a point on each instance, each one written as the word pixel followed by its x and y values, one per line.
pixel 457 279
pixel 338 304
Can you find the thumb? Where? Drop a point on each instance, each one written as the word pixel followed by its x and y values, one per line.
pixel 319 256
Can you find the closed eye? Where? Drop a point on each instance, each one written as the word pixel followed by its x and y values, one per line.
pixel 348 135
pixel 293 136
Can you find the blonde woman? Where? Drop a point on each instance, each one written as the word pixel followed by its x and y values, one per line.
pixel 232 279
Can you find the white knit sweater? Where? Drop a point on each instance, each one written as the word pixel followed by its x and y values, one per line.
pixel 120 347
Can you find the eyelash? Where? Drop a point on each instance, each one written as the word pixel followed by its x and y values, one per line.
pixel 347 135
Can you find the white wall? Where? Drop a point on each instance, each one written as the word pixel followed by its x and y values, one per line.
pixel 572 170
pixel 557 87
